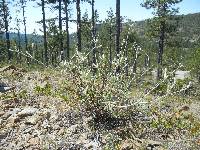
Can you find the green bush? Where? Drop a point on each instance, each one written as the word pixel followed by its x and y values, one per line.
pixel 161 89
pixel 103 94
pixel 44 90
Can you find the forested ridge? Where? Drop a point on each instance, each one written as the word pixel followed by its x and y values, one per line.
pixel 189 30
pixel 114 84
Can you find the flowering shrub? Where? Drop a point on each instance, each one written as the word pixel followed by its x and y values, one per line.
pixel 105 93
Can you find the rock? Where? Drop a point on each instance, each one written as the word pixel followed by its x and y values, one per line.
pixel 54 117
pixel 13 119
pixel 36 133
pixel 87 120
pixel 56 127
pixel 34 141
pixel 1 122
pixel 61 144
pixel 8 106
pixel 61 131
pixel 130 144
pixel 92 145
pixel 72 129
pixel 3 135
pixel 46 113
pixel 27 130
pixel 4 89
pixel 6 68
pixel 126 145
pixel 153 144
pixel 12 69
pixel 11 112
pixel 32 120
pixel 82 139
pixel 15 111
pixel 2 113
pixel 21 141
pixel 27 112
pixel 45 124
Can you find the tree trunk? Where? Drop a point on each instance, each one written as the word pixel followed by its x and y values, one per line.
pixel 117 38
pixel 110 47
pixel 126 56
pixel 78 25
pixel 66 53
pixel 5 15
pixel 93 38
pixel 25 36
pixel 60 28
pixel 146 62
pixel 134 61
pixel 45 33
pixel 19 41
pixel 125 48
pixel 162 8
pixel 160 50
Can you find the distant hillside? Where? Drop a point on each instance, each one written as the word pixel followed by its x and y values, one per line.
pixel 188 30
pixel 190 25
pixel 33 38
pixel 30 37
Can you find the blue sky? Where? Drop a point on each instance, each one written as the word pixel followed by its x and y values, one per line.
pixel 129 8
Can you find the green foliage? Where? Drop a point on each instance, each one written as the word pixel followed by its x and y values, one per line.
pixel 113 142
pixel 179 120
pixel 106 33
pixel 86 32
pixel 45 90
pixel 101 94
pixel 1 20
pixel 3 53
pixel 161 89
pixel 7 96
pixel 180 84
pixel 160 25
pixel 181 42
pixel 193 63
pixel 22 94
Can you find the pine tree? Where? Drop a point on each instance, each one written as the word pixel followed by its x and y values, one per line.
pixel 23 6
pixel 106 37
pixel 44 31
pixel 1 20
pixel 67 51
pixel 78 14
pixel 163 11
pixel 60 26
pixel 78 25
pixel 93 38
pixel 117 39
pixel 6 26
